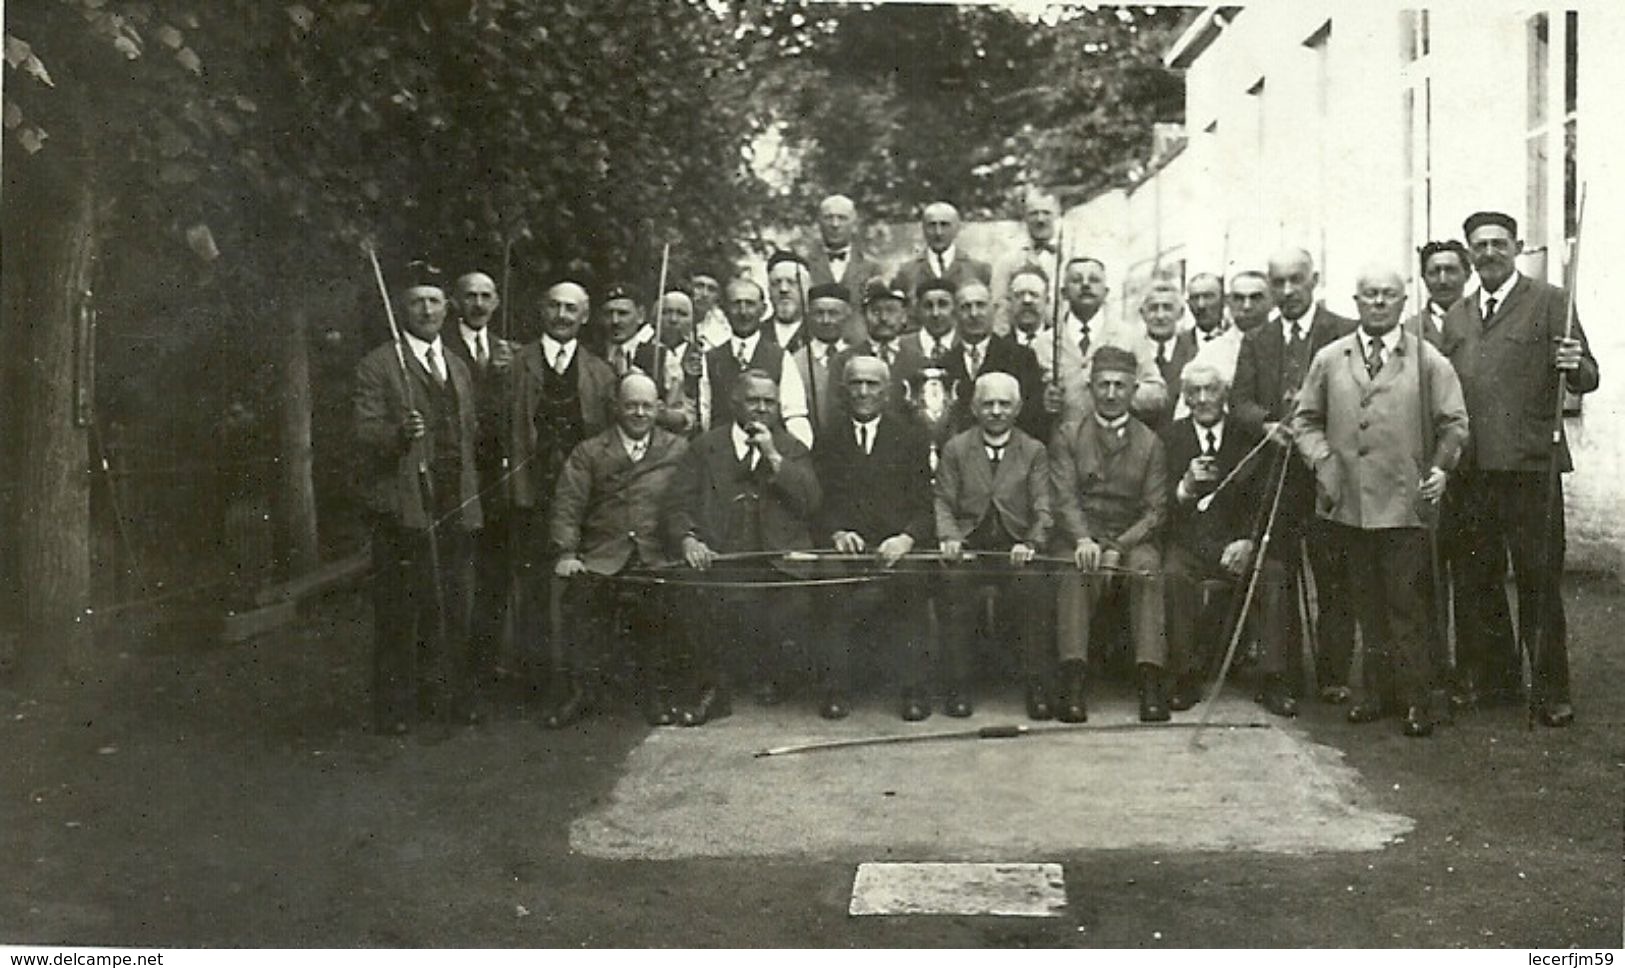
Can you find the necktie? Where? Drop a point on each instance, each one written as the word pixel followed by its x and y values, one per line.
pixel 1211 447
pixel 1489 308
pixel 435 367
pixel 1297 332
pixel 639 448
pixel 995 453
pixel 975 359
pixel 623 360
pixel 1162 353
pixel 887 353
pixel 1083 344
pixel 741 355
pixel 1373 358
pixel 561 362
pixel 863 437
pixel 480 355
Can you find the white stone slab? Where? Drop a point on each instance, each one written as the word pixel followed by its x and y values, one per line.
pixel 1001 890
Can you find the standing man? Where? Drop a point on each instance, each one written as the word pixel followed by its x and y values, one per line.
pixel 488 358
pixel 840 259
pixel 1085 328
pixel 1111 497
pixel 1359 424
pixel 980 352
pixel 605 523
pixel 1445 267
pixel 1026 308
pixel 885 309
pixel 1160 309
pixel 1508 345
pixel 417 431
pixel 992 495
pixel 1203 449
pixel 826 322
pixel 939 223
pixel 710 322
pixel 679 353
pixel 1040 213
pixel 1217 340
pixel 934 309
pixel 628 332
pixel 1269 370
pixel 560 395
pixel 745 486
pixel 876 474
pixel 787 285
pixel 747 349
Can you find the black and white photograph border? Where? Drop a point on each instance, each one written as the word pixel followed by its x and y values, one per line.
pixel 327 620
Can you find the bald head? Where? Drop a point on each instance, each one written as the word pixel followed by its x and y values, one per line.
pixel 1379 295
pixel 940 224
pixel 867 381
pixel 1293 279
pixel 476 295
pixel 636 402
pixel 837 219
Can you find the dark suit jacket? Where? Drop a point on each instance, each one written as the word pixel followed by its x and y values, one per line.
pixel 490 387
pixel 879 494
pixel 1507 377
pixel 733 508
pixel 967 488
pixel 722 368
pixel 1003 355
pixel 962 270
pixel 389 465
pixel 859 270
pixel 1257 394
pixel 606 505
pixel 1205 534
pixel 676 409
pixel 595 381
pixel 1181 352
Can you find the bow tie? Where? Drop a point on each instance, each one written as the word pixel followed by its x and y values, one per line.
pixel 837 253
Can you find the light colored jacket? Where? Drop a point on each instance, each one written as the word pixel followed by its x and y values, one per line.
pixel 1364 436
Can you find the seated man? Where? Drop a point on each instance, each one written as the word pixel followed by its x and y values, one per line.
pixel 605 522
pixel 1111 495
pixel 1216 543
pixel 876 472
pixel 993 494
pixel 745 486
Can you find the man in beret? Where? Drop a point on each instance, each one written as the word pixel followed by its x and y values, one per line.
pixel 416 426
pixel 1111 497
pixel 828 316
pixel 839 259
pixel 710 322
pixel 623 320
pixel 1445 268
pixel 674 355
pixel 1514 352
pixel 934 311
pixel 786 288
pixel 941 259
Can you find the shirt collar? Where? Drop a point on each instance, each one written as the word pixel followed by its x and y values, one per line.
pixel 741 442
pixel 1118 424
pixel 1499 295
pixel 946 340
pixel 945 257
pixel 637 339
pixel 469 334
pixel 1217 430
pixel 630 445
pixel 421 348
pixel 1000 441
pixel 1305 321
pixel 1389 340
pixel 551 348
pixel 749 342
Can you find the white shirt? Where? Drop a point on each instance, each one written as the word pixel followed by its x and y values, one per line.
pixel 1389 341
pixel 792 392
pixel 713 330
pixel 864 433
pixel 837 263
pixel 1500 295
pixel 996 444
pixel 744 347
pixel 420 349
pixel 742 447
pixel 928 343
pixel 629 349
pixel 1118 426
pixel 555 354
pixel 635 449
pixel 472 339
pixel 1217 430
pixel 1302 323
pixel 786 332
pixel 1220 352
pixel 975 356
pixel 941 262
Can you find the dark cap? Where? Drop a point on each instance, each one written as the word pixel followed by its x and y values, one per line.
pixel 877 289
pixel 829 290
pixel 933 284
pixel 1114 359
pixel 784 255
pixel 1478 220
pixel 422 272
pixel 620 290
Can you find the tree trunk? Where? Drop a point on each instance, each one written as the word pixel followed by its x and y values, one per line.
pixel 53 252
pixel 297 500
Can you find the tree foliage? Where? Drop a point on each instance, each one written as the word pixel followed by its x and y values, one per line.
pixel 898 105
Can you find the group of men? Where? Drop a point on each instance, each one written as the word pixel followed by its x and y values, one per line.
pixel 838 465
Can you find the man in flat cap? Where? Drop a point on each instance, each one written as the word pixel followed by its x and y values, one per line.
pixel 934 314
pixel 1511 346
pixel 1111 498
pixel 839 259
pixel 623 321
pixel 787 290
pixel 828 316
pixel 416 425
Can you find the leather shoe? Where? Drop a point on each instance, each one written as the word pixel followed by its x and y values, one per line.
pixel 914 709
pixel 1153 708
pixel 835 706
pixel 1070 705
pixel 957 706
pixel 1335 695
pixel 1556 714
pixel 1368 711
pixel 711 704
pixel 575 706
pixel 1184 695
pixel 1417 723
pixel 1277 699
pixel 1038 702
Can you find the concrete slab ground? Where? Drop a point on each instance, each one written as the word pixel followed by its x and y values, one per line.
pixel 997 890
pixel 702 793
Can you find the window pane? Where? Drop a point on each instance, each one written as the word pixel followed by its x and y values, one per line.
pixel 1535 230
pixel 1538 44
pixel 1571 67
pixel 1571 180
